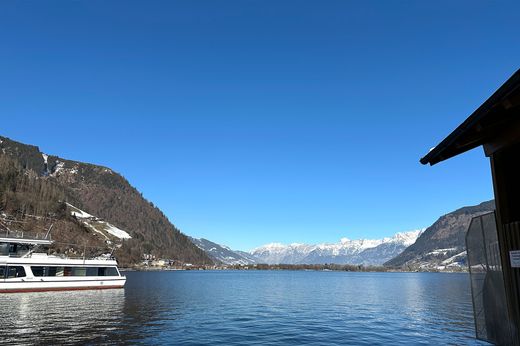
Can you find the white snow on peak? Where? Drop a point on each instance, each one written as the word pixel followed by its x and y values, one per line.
pixel 275 253
pixel 280 247
pixel 45 157
pixel 271 246
pixel 407 238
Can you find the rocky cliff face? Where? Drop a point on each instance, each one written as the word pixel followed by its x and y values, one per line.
pixel 101 192
pixel 442 244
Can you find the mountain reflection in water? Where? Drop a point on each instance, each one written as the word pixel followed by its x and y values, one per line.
pixel 255 307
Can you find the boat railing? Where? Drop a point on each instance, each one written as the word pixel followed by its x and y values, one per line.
pixel 24 235
pixel 45 240
pixel 63 256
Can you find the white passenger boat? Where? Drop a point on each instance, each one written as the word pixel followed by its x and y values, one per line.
pixel 22 269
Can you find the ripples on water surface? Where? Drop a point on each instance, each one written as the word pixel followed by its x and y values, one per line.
pixel 254 308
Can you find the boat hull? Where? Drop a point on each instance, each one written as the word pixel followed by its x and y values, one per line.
pixel 8 286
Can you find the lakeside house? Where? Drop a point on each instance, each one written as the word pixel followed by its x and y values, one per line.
pixel 493 240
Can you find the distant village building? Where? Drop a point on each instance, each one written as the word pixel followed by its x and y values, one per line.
pixel 494 246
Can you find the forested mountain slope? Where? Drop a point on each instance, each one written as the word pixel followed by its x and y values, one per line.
pixel 35 186
pixel 442 241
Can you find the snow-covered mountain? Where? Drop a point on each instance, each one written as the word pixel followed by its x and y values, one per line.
pixel 361 251
pixel 224 254
pixel 276 253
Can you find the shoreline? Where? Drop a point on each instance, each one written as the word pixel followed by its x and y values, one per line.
pixel 366 270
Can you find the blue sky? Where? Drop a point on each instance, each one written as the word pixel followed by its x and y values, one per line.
pixel 250 122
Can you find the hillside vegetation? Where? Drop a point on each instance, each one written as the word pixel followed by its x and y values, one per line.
pixel 35 187
pixel 443 243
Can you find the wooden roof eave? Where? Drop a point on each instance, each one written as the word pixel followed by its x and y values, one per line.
pixel 480 126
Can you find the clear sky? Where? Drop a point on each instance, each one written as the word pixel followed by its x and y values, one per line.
pixel 250 122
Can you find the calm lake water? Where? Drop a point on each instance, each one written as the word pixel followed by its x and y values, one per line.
pixel 250 308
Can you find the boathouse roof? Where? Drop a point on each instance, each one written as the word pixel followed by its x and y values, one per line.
pixel 494 116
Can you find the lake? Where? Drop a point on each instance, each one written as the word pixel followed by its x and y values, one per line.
pixel 250 308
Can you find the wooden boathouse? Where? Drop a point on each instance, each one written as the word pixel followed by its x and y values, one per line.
pixel 495 126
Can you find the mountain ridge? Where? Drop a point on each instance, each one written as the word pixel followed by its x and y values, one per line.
pixel 100 191
pixel 223 254
pixel 443 240
pixel 360 251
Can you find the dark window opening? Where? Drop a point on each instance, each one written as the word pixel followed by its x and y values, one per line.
pixel 67 271
pixel 38 271
pixel 92 271
pixel 50 271
pixel 15 272
pixel 4 249
pixel 111 271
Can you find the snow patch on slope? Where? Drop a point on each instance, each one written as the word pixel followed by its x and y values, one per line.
pixel 78 212
pixel 98 225
pixel 117 232
pixel 59 167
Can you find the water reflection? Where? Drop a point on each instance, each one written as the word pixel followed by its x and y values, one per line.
pixel 60 317
pixel 258 307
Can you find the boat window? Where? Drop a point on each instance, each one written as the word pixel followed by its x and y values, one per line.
pixel 15 272
pixel 13 248
pixel 4 249
pixel 59 271
pixel 2 272
pixel 108 271
pixel 47 271
pixel 38 271
pixel 51 271
pixel 111 271
pixel 79 271
pixel 92 271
